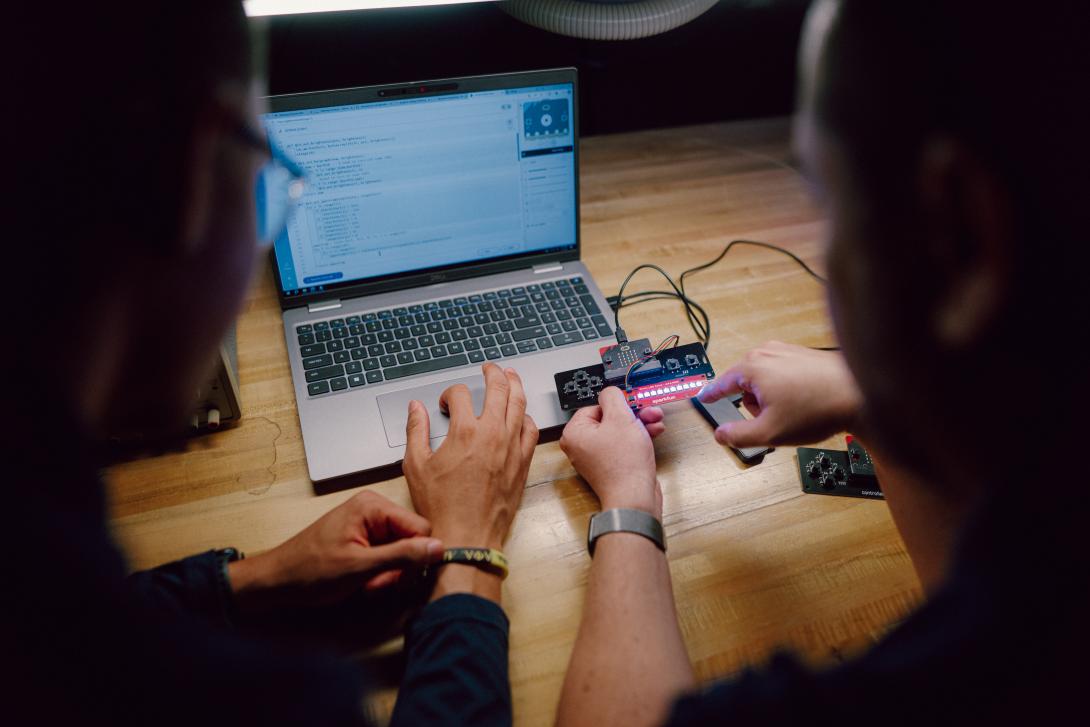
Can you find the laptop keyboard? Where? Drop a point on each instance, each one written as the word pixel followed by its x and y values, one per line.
pixel 345 353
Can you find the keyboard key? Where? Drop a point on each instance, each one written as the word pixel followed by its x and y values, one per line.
pixel 353 367
pixel 458 335
pixel 422 354
pixel 526 334
pixel 337 323
pixel 583 323
pixel 352 320
pixel 590 334
pixel 544 343
pixel 385 336
pixel 475 332
pixel 502 293
pixel 553 328
pixel 576 280
pixel 518 291
pixel 569 326
pixel 319 387
pixel 389 324
pixel 604 330
pixel 338 384
pixel 503 338
pixel 422 367
pixel 393 347
pixel 508 350
pixel 341 332
pixel 315 361
pixel 426 341
pixel 326 372
pixel 410 344
pixel 520 300
pixel 548 286
pixel 527 322
pixel 355 380
pixel 435 327
pixel 369 316
pixel 488 341
pixel 450 324
pixel 567 338
pixel 334 346
pixel 356 329
pixel 341 357
pixel 416 308
pixel 402 333
pixel 508 325
pixel 351 342
pixel 358 354
pixel 535 288
pixel 321 326
pixel 305 339
pixel 316 350
pixel 455 347
pixel 438 351
pixel 472 344
pixel 491 329
pixel 446 303
pixel 526 347
pixel 374 377
pixel 405 357
pixel 476 357
pixel 418 330
pixel 305 328
pixel 370 364
pixel 368 339
pixel 322 336
pixel 372 327
pixel 387 361
pixel 375 350
pixel 492 353
pixel 443 337
pixel 400 311
pixel 385 315
pixel 548 318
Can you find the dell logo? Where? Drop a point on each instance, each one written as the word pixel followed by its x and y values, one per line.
pixel 436 278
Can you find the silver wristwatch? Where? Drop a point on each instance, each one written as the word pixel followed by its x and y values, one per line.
pixel 621 520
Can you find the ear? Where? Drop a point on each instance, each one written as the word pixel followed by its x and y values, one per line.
pixel 966 223
pixel 198 180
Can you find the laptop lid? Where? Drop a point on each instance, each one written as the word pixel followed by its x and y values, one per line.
pixel 413 184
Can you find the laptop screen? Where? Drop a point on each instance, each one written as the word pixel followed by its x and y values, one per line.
pixel 426 183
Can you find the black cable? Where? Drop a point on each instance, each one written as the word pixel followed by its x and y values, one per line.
pixel 698 318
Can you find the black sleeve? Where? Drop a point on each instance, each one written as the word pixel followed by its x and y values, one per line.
pixel 193 586
pixel 456 672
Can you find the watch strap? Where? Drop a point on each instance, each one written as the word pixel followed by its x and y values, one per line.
pixel 623 520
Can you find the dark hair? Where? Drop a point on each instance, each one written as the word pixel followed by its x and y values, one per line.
pixel 105 97
pixel 1007 81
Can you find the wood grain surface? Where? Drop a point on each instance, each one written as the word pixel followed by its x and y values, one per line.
pixel 757 565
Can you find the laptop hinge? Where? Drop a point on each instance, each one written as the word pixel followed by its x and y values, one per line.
pixel 324 305
pixel 548 268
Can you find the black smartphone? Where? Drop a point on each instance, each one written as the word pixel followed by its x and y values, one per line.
pixel 725 410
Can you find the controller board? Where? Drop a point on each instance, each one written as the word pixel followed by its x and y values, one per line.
pixel 647 379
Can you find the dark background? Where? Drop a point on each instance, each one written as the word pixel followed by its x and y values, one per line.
pixel 735 61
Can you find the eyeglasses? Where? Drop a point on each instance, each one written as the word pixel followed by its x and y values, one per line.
pixel 280 184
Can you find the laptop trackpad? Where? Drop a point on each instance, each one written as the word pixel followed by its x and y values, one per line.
pixel 394 407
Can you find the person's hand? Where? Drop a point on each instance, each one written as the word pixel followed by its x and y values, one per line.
pixel 471 486
pixel 610 447
pixel 796 394
pixel 364 543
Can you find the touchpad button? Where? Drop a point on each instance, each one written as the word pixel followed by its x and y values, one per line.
pixel 394 407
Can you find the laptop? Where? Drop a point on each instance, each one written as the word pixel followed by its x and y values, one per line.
pixel 439 230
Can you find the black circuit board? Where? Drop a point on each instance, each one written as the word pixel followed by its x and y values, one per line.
pixel 836 472
pixel 678 368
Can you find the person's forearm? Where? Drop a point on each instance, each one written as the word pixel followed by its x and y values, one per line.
pixel 629 662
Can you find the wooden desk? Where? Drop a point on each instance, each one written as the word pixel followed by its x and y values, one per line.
pixel 756 564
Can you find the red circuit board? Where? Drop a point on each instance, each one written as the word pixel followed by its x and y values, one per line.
pixel 666 391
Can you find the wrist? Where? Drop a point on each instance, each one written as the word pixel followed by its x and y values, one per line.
pixel 463 537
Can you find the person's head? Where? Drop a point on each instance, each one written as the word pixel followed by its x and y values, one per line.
pixel 945 138
pixel 134 200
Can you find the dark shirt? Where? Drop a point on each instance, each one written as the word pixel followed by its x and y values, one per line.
pixel 1004 641
pixel 93 646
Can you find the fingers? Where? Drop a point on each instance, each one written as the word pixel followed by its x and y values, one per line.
pixel 614 405
pixel 417 433
pixel 746 433
pixel 652 418
pixel 496 392
pixel 528 437
pixel 388 521
pixel 456 401
pixel 407 552
pixel 726 384
pixel 586 415
pixel 516 401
